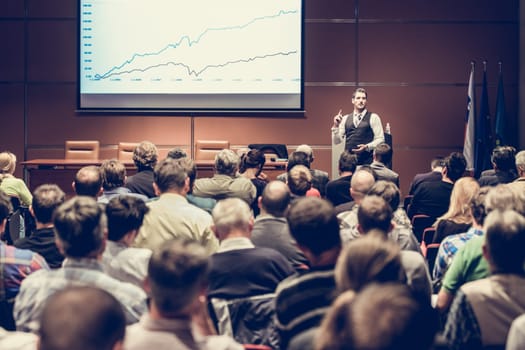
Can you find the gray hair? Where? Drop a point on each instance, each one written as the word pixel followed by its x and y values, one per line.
pixel 229 214
pixel 227 162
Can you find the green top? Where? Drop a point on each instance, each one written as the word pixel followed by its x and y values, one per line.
pixel 16 188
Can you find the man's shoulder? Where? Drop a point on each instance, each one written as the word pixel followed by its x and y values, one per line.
pixel 320 174
pixel 312 278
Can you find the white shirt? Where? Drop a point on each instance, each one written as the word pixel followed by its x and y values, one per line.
pixel 338 134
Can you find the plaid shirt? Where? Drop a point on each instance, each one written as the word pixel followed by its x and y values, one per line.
pixel 449 248
pixel 15 265
pixel 80 272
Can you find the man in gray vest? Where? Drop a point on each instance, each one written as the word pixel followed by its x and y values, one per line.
pixel 361 131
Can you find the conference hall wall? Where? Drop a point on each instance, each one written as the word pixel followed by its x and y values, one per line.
pixel 412 56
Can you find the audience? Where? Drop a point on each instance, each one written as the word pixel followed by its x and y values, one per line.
pixel 338 190
pixel 113 175
pixel 11 185
pixel 226 182
pixel 145 157
pixel 251 167
pixel 362 181
pixel 315 228
pixel 436 166
pixel 458 218
pixel 382 156
pixel 82 318
pixel 171 215
pixel 270 228
pixel 503 161
pixel 177 280
pixel 244 275
pixel 80 226
pixel 88 182
pixel 432 198
pixel 125 215
pixel 483 310
pixel 15 265
pixel 46 199
pixel 299 180
pixel 520 167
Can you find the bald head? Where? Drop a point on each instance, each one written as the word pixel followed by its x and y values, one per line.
pixel 306 149
pixel 275 199
pixel 88 181
pixel 361 183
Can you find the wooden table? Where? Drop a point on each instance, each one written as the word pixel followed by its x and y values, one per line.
pixel 62 171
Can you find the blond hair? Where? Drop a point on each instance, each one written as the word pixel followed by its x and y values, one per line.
pixel 464 190
pixel 7 162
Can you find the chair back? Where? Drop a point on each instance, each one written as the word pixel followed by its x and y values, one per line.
pixel 206 149
pixel 419 223
pixel 431 254
pixel 125 151
pixel 85 150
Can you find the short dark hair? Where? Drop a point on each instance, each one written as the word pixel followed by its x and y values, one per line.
pixel 46 198
pixel 170 174
pixel 81 318
pixel 80 224
pixel 177 153
pixel 176 272
pixel 388 191
pixel 362 90
pixel 437 162
pixel 5 206
pixel 113 174
pixel 145 155
pixel 383 153
pixel 455 164
pixel 276 198
pixel 347 162
pixel 374 213
pixel 505 239
pixel 124 214
pixel 88 181
pixel 298 158
pixel 504 157
pixel 313 224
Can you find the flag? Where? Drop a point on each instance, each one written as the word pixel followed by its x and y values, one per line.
pixel 469 142
pixel 501 136
pixel 483 147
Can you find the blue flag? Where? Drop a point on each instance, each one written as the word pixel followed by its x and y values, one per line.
pixel 501 135
pixel 483 148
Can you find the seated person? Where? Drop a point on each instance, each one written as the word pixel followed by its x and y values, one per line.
pixel 504 168
pixel 436 166
pixel 11 185
pixel 252 163
pixel 88 182
pixel 338 190
pixel 145 157
pixel 299 180
pixel 113 175
pixel 226 182
pixel 382 156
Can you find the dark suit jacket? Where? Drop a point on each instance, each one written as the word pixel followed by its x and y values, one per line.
pixel 338 190
pixel 420 178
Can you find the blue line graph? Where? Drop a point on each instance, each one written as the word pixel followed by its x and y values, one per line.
pixel 190 42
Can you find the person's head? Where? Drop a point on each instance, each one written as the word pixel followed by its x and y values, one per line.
pixel 191 170
pixel 347 162
pixel 7 163
pixel 463 191
pixel 374 213
pixel 436 163
pixel 275 198
pixel 227 162
pixel 232 217
pixel 388 191
pixel 145 156
pixel 504 241
pixel 82 318
pixel 5 209
pixel 88 181
pixel 113 174
pixel 477 206
pixel 383 153
pixel 125 215
pixel 46 198
pixel 171 175
pixel 299 180
pixel 314 225
pixel 80 227
pixel 253 159
pixel 359 99
pixel 520 163
pixel 177 153
pixel 382 317
pixel 308 150
pixel 368 259
pixel 504 158
pixel 298 158
pixel 504 197
pixel 177 276
pixel 454 166
pixel 362 181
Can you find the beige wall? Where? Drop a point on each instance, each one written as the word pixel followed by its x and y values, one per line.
pixel 412 56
